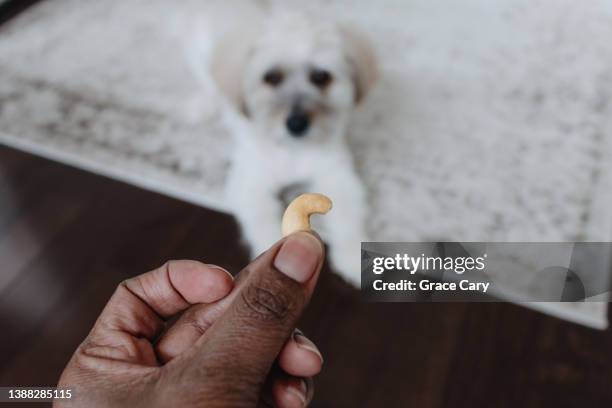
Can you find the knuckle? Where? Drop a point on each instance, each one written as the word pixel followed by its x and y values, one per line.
pixel 124 287
pixel 271 300
pixel 198 327
pixel 130 285
pixel 197 320
pixel 265 305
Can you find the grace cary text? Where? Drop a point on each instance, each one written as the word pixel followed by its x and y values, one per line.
pixel 405 285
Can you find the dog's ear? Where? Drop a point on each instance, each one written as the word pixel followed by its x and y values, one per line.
pixel 227 65
pixel 362 58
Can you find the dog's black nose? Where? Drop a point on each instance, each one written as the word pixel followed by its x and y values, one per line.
pixel 297 124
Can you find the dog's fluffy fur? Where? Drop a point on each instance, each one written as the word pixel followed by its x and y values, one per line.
pixel 287 63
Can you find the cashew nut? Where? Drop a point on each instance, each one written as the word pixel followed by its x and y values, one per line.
pixel 297 215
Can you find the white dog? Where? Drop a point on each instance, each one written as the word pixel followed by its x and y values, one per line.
pixel 292 82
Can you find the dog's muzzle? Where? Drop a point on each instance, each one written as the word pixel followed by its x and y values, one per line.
pixel 298 122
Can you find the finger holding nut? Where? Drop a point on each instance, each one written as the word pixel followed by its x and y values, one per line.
pixel 297 215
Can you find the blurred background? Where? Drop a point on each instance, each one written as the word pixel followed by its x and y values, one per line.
pixel 491 121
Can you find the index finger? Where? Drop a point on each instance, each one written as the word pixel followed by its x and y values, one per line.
pixel 140 305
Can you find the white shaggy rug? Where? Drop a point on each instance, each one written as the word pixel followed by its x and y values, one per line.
pixel 491 122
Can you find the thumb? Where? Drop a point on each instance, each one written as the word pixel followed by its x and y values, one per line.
pixel 271 295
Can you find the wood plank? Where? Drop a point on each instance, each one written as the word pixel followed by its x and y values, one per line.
pixel 11 8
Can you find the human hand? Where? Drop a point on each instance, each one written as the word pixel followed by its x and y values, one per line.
pixel 233 345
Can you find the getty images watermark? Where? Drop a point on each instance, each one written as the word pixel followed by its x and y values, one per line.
pixel 480 271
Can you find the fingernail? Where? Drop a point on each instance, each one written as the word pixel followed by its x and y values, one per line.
pixel 299 390
pixel 221 269
pixel 299 256
pixel 305 343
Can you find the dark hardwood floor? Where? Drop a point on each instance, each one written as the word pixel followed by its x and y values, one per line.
pixel 67 238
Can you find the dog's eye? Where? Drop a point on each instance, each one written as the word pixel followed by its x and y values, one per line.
pixel 320 78
pixel 274 77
